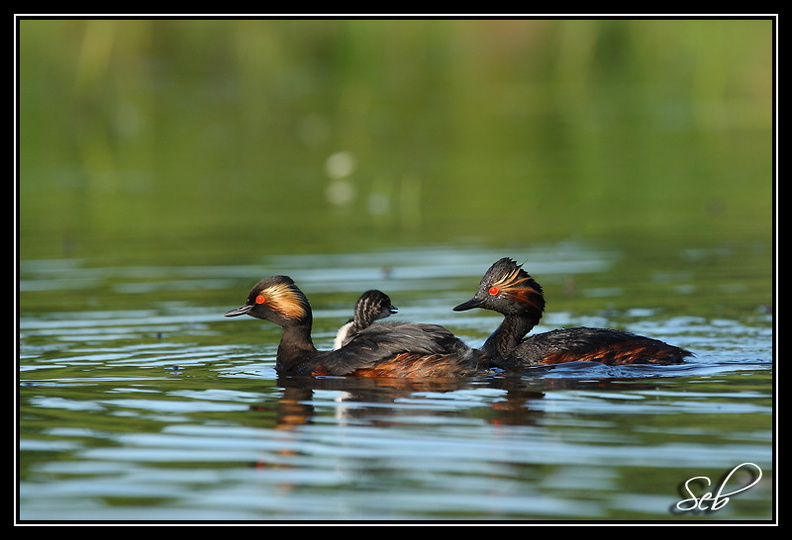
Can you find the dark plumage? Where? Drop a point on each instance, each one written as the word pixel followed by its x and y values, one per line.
pixel 399 350
pixel 509 290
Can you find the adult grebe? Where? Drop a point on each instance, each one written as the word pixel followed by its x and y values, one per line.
pixel 402 350
pixel 509 290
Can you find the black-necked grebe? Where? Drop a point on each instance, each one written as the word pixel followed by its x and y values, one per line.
pixel 371 306
pixel 402 350
pixel 509 290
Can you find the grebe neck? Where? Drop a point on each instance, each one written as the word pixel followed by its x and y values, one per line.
pixel 508 335
pixel 295 345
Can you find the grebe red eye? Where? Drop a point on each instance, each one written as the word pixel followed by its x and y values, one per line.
pixel 260 299
pixel 493 291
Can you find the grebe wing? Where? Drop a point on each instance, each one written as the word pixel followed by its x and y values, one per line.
pixel 382 342
pixel 578 339
pixel 599 344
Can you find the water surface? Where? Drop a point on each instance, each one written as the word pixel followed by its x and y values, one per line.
pixel 175 413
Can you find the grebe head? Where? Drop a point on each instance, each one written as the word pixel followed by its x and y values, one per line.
pixel 276 299
pixel 508 289
pixel 373 305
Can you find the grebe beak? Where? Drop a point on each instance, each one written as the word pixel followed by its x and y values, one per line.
pixel 241 310
pixel 470 304
pixel 393 309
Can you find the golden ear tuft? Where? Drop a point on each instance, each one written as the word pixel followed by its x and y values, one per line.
pixel 522 288
pixel 513 279
pixel 285 300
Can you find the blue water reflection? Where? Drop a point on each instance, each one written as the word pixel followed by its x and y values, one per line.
pixel 170 412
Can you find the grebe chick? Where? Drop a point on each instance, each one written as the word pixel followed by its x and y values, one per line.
pixel 371 306
pixel 399 350
pixel 509 290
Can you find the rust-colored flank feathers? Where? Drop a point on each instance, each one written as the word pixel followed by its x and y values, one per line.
pixel 637 351
pixel 408 365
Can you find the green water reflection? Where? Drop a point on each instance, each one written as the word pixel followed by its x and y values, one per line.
pixel 202 140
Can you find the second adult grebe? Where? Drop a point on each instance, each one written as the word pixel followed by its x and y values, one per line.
pixel 509 290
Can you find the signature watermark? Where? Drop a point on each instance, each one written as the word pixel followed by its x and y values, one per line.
pixel 718 497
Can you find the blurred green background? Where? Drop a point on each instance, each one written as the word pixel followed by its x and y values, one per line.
pixel 206 141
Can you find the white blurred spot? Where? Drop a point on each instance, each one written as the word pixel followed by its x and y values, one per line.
pixel 340 164
pixel 340 192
